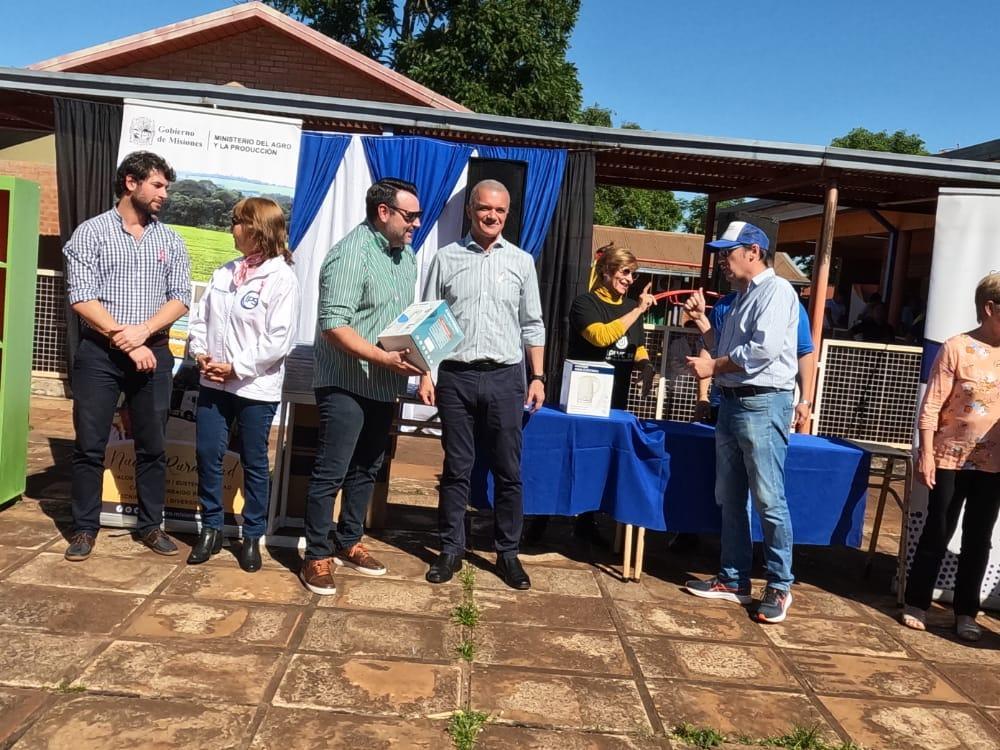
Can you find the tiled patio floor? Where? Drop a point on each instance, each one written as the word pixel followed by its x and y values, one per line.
pixel 133 650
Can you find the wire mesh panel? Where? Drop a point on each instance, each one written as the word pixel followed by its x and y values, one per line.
pixel 646 408
pixel 48 354
pixel 868 392
pixel 679 398
pixel 677 391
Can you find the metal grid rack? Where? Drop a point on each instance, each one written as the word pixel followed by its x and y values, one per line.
pixel 868 392
pixel 676 392
pixel 48 354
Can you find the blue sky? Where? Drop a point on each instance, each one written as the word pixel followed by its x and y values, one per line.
pixel 777 70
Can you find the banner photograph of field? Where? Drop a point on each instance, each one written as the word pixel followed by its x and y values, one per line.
pixel 200 208
pixel 220 157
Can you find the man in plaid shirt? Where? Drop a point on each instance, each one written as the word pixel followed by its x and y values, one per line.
pixel 128 279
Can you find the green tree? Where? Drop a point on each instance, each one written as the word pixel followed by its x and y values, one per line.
pixel 695 210
pixel 634 208
pixel 899 142
pixel 505 57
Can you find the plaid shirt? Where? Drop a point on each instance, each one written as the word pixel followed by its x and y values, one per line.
pixel 132 280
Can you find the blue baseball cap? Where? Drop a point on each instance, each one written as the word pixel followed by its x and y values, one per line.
pixel 740 233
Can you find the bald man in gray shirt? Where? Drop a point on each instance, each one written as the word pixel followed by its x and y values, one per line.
pixel 491 287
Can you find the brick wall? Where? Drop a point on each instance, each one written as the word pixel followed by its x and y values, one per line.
pixel 45 176
pixel 263 58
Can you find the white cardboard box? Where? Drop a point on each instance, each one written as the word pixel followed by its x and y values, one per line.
pixel 587 387
pixel 428 329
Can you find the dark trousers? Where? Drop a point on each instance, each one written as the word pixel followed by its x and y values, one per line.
pixel 100 375
pixel 217 411
pixel 484 411
pixel 353 435
pixel 980 492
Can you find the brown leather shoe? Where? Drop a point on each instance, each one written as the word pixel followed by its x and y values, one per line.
pixel 359 558
pixel 159 542
pixel 81 544
pixel 317 575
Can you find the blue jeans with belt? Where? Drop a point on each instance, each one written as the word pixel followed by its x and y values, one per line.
pixel 751 442
pixel 217 411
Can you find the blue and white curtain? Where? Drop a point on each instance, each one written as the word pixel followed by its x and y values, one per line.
pixel 336 170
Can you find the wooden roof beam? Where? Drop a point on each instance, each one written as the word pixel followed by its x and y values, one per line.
pixel 772 186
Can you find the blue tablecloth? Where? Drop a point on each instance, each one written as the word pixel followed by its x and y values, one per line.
pixel 661 475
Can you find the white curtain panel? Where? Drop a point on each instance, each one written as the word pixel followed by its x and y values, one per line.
pixel 343 209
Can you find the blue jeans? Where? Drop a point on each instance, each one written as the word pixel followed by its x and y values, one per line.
pixel 751 442
pixel 353 436
pixel 217 411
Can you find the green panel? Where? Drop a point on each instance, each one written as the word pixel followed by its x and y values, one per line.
pixel 18 266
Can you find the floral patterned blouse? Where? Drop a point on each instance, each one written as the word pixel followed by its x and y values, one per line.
pixel 962 405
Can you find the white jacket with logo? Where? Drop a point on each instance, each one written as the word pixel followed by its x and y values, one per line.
pixel 252 327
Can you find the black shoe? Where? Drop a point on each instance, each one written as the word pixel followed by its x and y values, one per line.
pixel 209 543
pixel 443 568
pixel 250 555
pixel 159 542
pixel 513 574
pixel 81 544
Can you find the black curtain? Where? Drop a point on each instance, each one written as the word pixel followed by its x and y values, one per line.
pixel 87 136
pixel 564 265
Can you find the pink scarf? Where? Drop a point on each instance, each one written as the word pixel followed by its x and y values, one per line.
pixel 244 268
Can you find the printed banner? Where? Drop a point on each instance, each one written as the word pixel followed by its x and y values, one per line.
pixel 220 157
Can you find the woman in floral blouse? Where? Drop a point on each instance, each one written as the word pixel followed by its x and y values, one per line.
pixel 959 461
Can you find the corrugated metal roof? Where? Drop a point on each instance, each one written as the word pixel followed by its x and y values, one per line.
pixel 636 158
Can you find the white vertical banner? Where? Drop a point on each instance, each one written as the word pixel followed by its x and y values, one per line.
pixel 220 158
pixel 965 250
pixel 343 208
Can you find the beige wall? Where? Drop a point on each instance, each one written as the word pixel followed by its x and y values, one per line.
pixel 40 151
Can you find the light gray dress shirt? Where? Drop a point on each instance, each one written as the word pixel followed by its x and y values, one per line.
pixel 494 296
pixel 760 335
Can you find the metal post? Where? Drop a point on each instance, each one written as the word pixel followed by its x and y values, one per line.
pixel 706 256
pixel 821 274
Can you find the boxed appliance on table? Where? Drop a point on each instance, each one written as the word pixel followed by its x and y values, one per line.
pixel 587 388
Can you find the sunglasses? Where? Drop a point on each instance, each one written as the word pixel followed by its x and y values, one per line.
pixel 723 254
pixel 408 216
pixel 234 221
pixel 630 272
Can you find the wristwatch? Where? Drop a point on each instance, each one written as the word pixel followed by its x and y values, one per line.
pixel 540 378
pixel 805 403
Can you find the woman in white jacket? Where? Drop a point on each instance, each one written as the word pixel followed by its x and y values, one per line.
pixel 241 331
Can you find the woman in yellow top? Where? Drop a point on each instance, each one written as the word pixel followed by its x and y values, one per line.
pixel 959 461
pixel 606 324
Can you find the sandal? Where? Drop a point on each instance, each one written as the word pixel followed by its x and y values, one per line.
pixel 967 629
pixel 914 618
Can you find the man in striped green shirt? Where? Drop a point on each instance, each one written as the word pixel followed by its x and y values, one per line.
pixel 366 281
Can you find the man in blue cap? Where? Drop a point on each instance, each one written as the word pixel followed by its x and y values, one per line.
pixel 754 364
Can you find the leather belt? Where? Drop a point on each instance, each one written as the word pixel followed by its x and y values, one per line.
pixel 478 365
pixel 160 338
pixel 750 390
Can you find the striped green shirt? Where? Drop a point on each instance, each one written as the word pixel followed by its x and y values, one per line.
pixel 365 285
